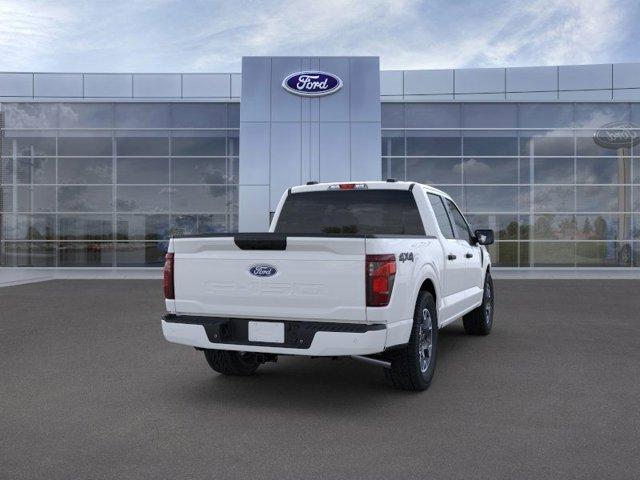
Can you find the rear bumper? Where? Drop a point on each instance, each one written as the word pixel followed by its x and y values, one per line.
pixel 301 338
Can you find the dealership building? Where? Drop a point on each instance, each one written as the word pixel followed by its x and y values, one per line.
pixel 100 170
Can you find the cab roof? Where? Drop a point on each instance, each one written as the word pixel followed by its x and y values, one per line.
pixel 371 185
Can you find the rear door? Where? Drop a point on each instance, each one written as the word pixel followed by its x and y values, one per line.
pixel 311 278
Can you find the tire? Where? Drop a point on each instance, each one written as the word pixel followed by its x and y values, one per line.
pixel 480 320
pixel 411 370
pixel 232 363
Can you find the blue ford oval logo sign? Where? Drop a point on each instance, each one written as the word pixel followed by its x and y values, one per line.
pixel 312 83
pixel 263 270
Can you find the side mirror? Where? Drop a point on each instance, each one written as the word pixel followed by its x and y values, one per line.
pixel 484 237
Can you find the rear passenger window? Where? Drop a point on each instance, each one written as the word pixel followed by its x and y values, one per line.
pixel 441 215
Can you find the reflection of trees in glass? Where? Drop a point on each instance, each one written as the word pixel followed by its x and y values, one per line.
pixel 548 227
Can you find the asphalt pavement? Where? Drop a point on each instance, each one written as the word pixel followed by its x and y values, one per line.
pixel 89 389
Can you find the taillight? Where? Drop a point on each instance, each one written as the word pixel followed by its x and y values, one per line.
pixel 381 272
pixel 169 292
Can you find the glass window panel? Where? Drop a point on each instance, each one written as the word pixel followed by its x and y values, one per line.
pixel 142 170
pixel 441 215
pixel 233 143
pixel 525 170
pixel 36 170
pixel 554 199
pixel 196 224
pixel 525 227
pixel 8 226
pixel 554 227
pixel 461 227
pixel 392 143
pixel 6 170
pixel 505 227
pixel 454 192
pixel 426 144
pixel 37 199
pixel 90 146
pixel 85 227
pixel 475 143
pixel 233 170
pixel 432 115
pixel 603 170
pixel 232 199
pixel 30 115
pixel 545 115
pixel 32 146
pixel 504 254
pixel 85 199
pixel 211 144
pixel 636 199
pixel 233 112
pixel 602 226
pixel 143 199
pixel 603 199
pixel 199 199
pixel 6 199
pixel 435 170
pixel 490 170
pixel 491 199
pixel 553 254
pixel 37 254
pixel 635 233
pixel 35 227
pixel 553 170
pixel 145 146
pixel 199 170
pixel 393 168
pixel 603 254
pixel 85 170
pixel 92 115
pixel 85 254
pixel 142 115
pixel 143 227
pixel 199 115
pixel 546 144
pixel 490 115
pixel 598 114
pixel 636 170
pixel 525 260
pixel 392 115
pixel 636 254
pixel 585 145
pixel 138 254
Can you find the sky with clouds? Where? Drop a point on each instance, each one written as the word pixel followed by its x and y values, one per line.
pixel 212 36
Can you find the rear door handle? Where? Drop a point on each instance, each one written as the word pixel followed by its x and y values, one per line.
pixel 451 256
pixel 469 255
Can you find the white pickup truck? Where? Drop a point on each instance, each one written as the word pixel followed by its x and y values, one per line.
pixel 370 270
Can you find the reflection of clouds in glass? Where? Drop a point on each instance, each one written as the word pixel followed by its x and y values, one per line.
pixel 25 115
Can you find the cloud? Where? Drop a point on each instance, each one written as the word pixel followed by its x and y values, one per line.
pixel 166 35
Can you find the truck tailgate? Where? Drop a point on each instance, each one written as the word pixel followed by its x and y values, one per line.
pixel 314 278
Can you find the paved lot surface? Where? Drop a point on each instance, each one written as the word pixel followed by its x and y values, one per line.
pixel 90 389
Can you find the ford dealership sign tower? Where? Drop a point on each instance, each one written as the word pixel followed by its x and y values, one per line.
pixel 305 119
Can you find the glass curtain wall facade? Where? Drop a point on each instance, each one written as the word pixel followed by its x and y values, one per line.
pixel 530 171
pixel 106 184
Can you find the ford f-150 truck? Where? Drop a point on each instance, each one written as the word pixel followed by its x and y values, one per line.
pixel 370 270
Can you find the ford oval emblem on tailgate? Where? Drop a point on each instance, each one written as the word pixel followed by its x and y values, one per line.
pixel 263 270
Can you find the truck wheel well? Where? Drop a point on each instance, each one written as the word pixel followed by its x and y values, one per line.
pixel 427 286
